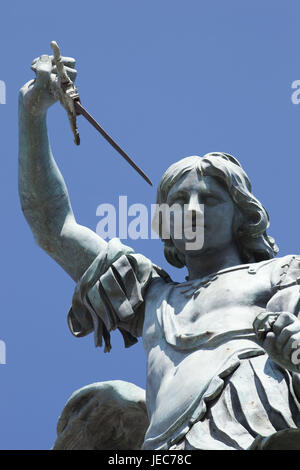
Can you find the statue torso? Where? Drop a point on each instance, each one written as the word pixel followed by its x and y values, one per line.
pixel 193 331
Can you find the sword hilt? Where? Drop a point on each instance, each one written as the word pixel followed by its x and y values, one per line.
pixel 61 71
pixel 68 93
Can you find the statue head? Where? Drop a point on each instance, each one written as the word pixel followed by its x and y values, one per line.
pixel 249 220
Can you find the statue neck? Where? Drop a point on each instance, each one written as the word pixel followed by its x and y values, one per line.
pixel 203 264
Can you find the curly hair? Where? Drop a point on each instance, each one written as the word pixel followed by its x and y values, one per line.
pixel 251 220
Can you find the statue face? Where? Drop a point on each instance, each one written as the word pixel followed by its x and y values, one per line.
pixel 190 191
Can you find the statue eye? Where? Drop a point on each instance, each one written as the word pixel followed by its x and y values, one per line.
pixel 178 199
pixel 211 200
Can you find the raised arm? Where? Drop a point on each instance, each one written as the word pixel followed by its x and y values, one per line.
pixel 43 193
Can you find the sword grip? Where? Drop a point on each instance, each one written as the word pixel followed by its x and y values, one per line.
pixel 67 91
pixel 61 71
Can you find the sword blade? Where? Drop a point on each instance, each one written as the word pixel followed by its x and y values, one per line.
pixel 81 110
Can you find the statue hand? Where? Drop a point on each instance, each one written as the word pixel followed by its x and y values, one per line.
pixel 39 94
pixel 279 335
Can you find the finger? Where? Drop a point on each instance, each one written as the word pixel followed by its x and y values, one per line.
pixel 72 73
pixel 285 335
pixel 68 61
pixel 43 71
pixel 283 321
pixel 259 321
pixel 42 59
pixel 269 343
pixel 262 320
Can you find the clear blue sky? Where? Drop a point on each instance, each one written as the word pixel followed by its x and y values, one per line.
pixel 168 79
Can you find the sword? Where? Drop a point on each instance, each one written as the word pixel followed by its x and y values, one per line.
pixel 70 100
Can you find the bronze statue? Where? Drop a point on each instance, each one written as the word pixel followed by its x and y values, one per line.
pixel 221 366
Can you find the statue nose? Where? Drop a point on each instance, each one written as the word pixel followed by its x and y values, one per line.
pixel 195 206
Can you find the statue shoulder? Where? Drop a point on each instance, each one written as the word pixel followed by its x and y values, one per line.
pixel 281 270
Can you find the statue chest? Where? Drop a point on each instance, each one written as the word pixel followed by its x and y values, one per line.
pixel 203 313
